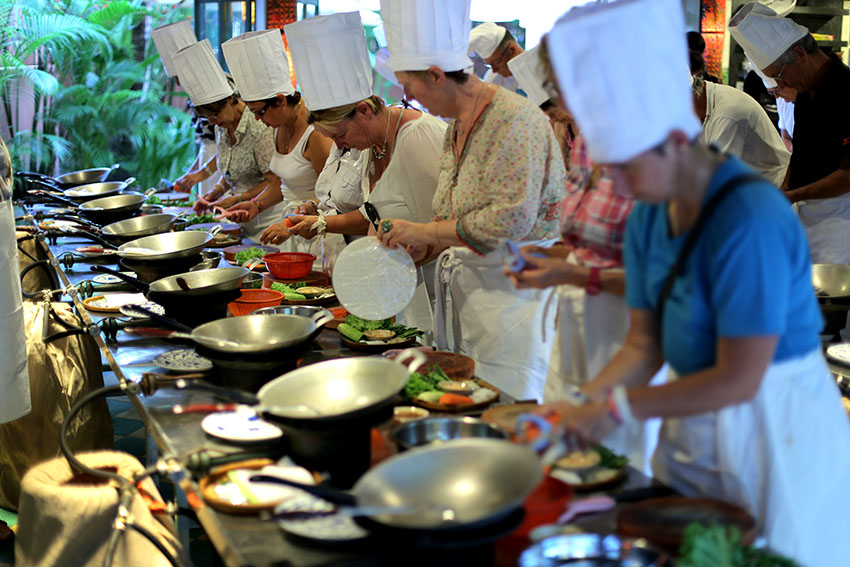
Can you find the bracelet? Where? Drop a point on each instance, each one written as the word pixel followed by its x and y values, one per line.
pixel 620 400
pixel 321 225
pixel 258 203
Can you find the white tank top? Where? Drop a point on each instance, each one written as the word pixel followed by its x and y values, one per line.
pixel 295 171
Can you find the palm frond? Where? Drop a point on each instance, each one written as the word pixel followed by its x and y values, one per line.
pixel 114 12
pixel 56 32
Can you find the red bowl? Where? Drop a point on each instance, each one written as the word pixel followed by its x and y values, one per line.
pixel 253 299
pixel 289 265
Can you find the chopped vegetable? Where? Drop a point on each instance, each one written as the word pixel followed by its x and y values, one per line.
pixel 454 399
pixel 720 546
pixel 245 255
pixel 431 396
pixel 350 332
pixel 401 332
pixel 189 220
pixel 339 312
pixel 287 220
pixel 609 459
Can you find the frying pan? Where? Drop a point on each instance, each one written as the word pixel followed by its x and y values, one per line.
pixel 458 484
pixel 139 226
pixel 171 245
pixel 73 178
pixel 96 190
pixel 104 210
pixel 200 283
pixel 303 310
pixel 831 281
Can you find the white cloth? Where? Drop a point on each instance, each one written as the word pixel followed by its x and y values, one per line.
pixel 171 38
pixel 205 153
pixel 737 124
pixel 785 109
pixel 257 62
pixel 485 38
pixel 827 224
pixel 339 186
pixel 527 69
pixel 509 83
pixel 763 34
pixel 781 7
pixel 784 456
pixel 14 380
pixel 200 74
pixel 422 33
pixel 618 118
pixel 500 327
pixel 331 60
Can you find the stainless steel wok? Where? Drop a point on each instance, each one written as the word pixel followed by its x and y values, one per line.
pixel 116 203
pixel 96 190
pixel 139 226
pixel 168 245
pixel 831 281
pixel 256 333
pixel 84 176
pixel 199 283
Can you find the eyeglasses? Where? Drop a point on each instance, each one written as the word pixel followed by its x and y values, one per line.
pixel 262 111
pixel 778 76
pixel 500 59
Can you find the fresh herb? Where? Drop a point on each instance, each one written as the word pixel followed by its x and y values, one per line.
pixel 189 220
pixel 609 459
pixel 420 383
pixel 720 546
pixel 154 200
pixel 245 255
pixel 400 331
pixel 288 288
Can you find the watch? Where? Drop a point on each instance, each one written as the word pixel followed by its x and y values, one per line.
pixel 593 286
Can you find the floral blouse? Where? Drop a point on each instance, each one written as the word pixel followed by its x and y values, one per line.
pixel 509 180
pixel 246 162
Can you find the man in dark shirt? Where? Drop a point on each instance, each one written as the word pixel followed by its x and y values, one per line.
pixel 819 174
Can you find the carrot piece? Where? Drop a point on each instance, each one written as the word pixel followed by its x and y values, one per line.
pixel 455 399
pixel 339 313
pixel 288 222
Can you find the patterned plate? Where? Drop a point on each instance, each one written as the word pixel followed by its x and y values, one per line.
pixel 240 427
pixel 325 528
pixel 110 279
pixel 839 353
pixel 372 281
pixel 183 360
pixel 130 311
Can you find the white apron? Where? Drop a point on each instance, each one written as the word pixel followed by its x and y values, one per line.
pixel 207 150
pixel 784 456
pixel 589 330
pixel 14 378
pixel 255 227
pixel 500 327
pixel 827 224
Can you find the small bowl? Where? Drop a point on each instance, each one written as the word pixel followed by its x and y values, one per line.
pixel 406 414
pixel 289 265
pixel 254 280
pixel 439 429
pixel 253 299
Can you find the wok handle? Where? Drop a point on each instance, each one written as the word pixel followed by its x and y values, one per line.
pixel 331 495
pixel 228 394
pixel 136 283
pixel 171 323
pixel 322 317
pixel 417 356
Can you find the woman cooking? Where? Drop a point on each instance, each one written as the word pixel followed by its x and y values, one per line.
pixel 258 63
pixel 501 177
pixel 403 145
pixel 244 145
pixel 718 283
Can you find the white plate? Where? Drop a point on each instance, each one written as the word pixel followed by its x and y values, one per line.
pixel 110 279
pixel 839 353
pixel 325 528
pixel 240 427
pixel 372 281
pixel 149 305
pixel 60 224
pixel 183 360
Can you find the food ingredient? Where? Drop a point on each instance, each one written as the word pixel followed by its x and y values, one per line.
pixel 287 220
pixel 247 254
pixel 448 399
pixel 349 332
pixel 378 334
pixel 577 460
pixel 154 200
pixel 720 546
pixel 430 397
pixel 289 290
pixel 339 312
pixel 609 459
pixel 419 383
pixel 310 292
pixel 402 333
pixel 189 220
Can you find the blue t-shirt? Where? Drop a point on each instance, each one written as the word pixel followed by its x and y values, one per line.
pixel 748 275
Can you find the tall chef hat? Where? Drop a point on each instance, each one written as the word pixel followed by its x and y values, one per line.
pixel 422 33
pixel 764 35
pixel 624 109
pixel 768 82
pixel 528 70
pixel 257 61
pixel 331 60
pixel 485 38
pixel 200 73
pixel 170 39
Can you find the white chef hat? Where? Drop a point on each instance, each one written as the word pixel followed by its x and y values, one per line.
pixel 781 7
pixel 170 39
pixel 422 33
pixel 331 60
pixel 528 70
pixel 768 82
pixel 200 74
pixel 764 35
pixel 257 61
pixel 624 109
pixel 485 38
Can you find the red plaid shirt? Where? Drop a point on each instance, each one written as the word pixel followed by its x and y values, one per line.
pixel 593 217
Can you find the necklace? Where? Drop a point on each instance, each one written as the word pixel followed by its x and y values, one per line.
pixel 383 151
pixel 461 131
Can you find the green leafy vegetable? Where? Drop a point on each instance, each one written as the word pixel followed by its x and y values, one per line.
pixel 189 220
pixel 609 459
pixel 420 383
pixel 400 331
pixel 289 288
pixel 720 546
pixel 245 255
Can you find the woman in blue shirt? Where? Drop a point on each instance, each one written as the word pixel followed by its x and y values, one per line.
pixel 751 414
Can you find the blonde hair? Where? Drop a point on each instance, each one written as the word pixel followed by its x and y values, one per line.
pixel 333 116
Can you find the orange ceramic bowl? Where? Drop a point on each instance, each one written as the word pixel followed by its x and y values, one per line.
pixel 289 265
pixel 253 299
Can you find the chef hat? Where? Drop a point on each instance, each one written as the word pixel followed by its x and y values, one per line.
pixel 528 70
pixel 764 35
pixel 422 33
pixel 171 38
pixel 331 60
pixel 781 7
pixel 768 82
pixel 200 73
pixel 485 38
pixel 624 109
pixel 257 61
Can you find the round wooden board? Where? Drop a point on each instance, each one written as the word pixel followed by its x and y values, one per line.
pixel 227 242
pixel 597 486
pixel 230 228
pixel 375 348
pixel 231 251
pixel 207 485
pixel 506 416
pixel 460 408
pixel 90 305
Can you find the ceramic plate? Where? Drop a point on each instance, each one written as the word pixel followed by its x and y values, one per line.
pixel 129 310
pixel 183 360
pixel 372 281
pixel 839 353
pixel 240 427
pixel 325 528
pixel 110 279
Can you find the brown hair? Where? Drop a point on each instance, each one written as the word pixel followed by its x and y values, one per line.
pixel 291 100
pixel 335 115
pixel 460 77
pixel 213 108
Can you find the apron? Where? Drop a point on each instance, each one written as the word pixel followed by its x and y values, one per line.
pixel 827 224
pixel 207 151
pixel 14 379
pixel 784 456
pixel 500 327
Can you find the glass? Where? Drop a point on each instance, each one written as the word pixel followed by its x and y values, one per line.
pixel 237 18
pixel 260 113
pixel 209 24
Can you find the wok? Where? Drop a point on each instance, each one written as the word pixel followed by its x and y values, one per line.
pixel 96 190
pixel 139 226
pixel 169 245
pixel 73 178
pixel 302 310
pixel 259 333
pixel 831 281
pixel 459 484
pixel 199 283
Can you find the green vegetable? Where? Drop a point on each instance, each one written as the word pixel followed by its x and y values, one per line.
pixel 720 546
pixel 289 290
pixel 431 396
pixel 609 459
pixel 189 220
pixel 245 255
pixel 349 332
pixel 292 296
pixel 400 331
pixel 419 383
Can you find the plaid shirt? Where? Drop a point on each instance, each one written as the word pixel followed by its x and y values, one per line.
pixel 593 216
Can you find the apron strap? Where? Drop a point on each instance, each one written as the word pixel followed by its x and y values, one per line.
pixel 706 212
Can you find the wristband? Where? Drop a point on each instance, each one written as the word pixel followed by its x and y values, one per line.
pixel 208 171
pixel 258 203
pixel 594 282
pixel 620 401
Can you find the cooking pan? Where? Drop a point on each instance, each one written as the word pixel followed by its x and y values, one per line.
pixel 96 190
pixel 199 283
pixel 456 485
pixel 831 282
pixel 170 245
pixel 310 311
pixel 73 178
pixel 139 226
pixel 104 210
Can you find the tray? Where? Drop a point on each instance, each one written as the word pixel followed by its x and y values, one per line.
pixel 226 242
pixel 207 485
pixel 375 348
pixel 230 228
pixel 462 408
pixel 91 304
pixel 315 278
pixel 506 416
pixel 231 251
